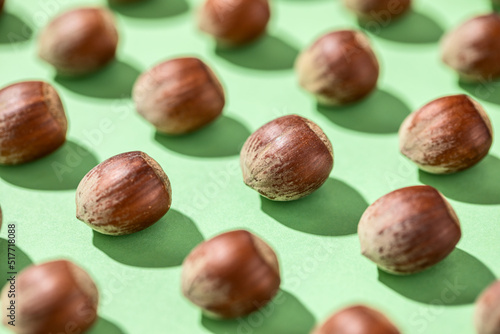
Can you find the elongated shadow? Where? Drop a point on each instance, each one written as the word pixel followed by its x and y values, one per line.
pixel 150 9
pixel 61 170
pixel 457 280
pixel 486 90
pixel 103 326
pixel 334 209
pixel 22 260
pixel 165 244
pixel 13 29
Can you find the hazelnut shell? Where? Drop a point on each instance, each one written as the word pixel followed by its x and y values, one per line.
pixel 339 68
pixel 376 9
pixel 231 275
pixel 287 158
pixel 124 194
pixel 409 230
pixel 179 95
pixel 487 311
pixel 1 5
pixel 447 135
pixel 32 122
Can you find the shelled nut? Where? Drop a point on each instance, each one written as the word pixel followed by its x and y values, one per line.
pixel 287 158
pixel 487 312
pixel 409 230
pixel 447 135
pixel 339 68
pixel 79 41
pixel 179 95
pixel 231 275
pixel 234 22
pixel 357 319
pixel 51 297
pixel 124 194
pixel 473 48
pixel 32 122
pixel 1 5
pixel 376 9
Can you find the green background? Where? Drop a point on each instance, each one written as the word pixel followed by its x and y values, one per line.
pixel 315 238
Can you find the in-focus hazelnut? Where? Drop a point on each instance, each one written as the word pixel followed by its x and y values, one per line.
pixel 50 298
pixel 32 122
pixel 473 49
pixel 447 135
pixel 231 275
pixel 357 319
pixel 377 10
pixel 124 194
pixel 234 22
pixel 287 158
pixel 339 68
pixel 79 41
pixel 409 230
pixel 487 311
pixel 179 95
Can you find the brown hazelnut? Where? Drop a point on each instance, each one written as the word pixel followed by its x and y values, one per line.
pixel 339 68
pixel 124 194
pixel 473 49
pixel 234 22
pixel 79 41
pixel 231 275
pixel 357 319
pixel 378 9
pixel 287 158
pixel 32 122
pixel 52 297
pixel 1 5
pixel 179 95
pixel 447 135
pixel 487 311
pixel 409 230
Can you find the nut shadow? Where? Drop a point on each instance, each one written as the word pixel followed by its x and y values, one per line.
pixel 22 259
pixel 486 90
pixel 61 170
pixel 333 210
pixel 268 53
pixel 284 314
pixel 223 137
pixel 151 9
pixel 477 185
pixel 114 81
pixel 457 280
pixel 13 29
pixel 103 326
pixel 165 244
pixel 379 113
pixel 413 28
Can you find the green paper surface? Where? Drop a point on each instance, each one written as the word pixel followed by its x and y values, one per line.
pixel 315 238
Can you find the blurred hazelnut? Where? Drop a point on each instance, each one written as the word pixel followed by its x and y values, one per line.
pixel 234 22
pixel 473 49
pixel 487 312
pixel 124 194
pixel 357 319
pixel 339 68
pixel 51 297
pixel 179 95
pixel 1 5
pixel 79 41
pixel 231 275
pixel 409 230
pixel 447 135
pixel 287 158
pixel 386 10
pixel 32 122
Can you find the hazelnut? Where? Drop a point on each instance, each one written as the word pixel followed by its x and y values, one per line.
pixel 32 122
pixel 79 41
pixel 231 275
pixel 409 230
pixel 473 49
pixel 339 68
pixel 287 158
pixel 124 194
pixel 234 22
pixel 446 135
pixel 179 95
pixel 50 298
pixel 487 312
pixel 376 9
pixel 357 319
pixel 1 5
